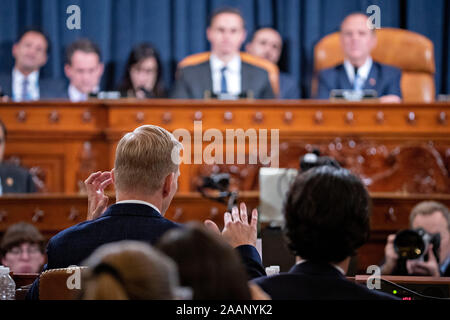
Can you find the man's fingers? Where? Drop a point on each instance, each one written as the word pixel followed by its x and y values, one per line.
pixel 92 177
pixel 431 256
pixel 227 218
pixel 244 217
pixel 212 226
pixel 105 183
pixel 391 238
pixel 235 214
pixel 254 222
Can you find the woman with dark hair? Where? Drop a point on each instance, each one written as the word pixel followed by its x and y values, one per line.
pixel 206 263
pixel 143 74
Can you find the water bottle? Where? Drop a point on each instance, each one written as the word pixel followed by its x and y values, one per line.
pixel 7 285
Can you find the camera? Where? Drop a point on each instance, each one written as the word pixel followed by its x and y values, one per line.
pixel 413 244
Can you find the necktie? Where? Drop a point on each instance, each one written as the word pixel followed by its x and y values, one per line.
pixel 223 81
pixel 25 95
pixel 357 85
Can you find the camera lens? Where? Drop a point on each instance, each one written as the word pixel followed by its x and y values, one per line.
pixel 409 244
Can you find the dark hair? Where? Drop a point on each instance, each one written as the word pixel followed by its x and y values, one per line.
pixel 259 28
pixel 36 30
pixel 327 214
pixel 139 53
pixel 84 45
pixel 19 233
pixel 3 127
pixel 206 263
pixel 222 10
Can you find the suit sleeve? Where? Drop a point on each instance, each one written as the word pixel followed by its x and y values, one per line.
pixel 180 89
pixel 324 88
pixel 267 92
pixel 394 85
pixel 252 261
pixel 31 186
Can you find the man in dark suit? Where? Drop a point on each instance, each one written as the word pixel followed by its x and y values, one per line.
pixel 145 177
pixel 327 219
pixel 359 71
pixel 13 179
pixel 24 82
pixel 223 73
pixel 84 69
pixel 267 43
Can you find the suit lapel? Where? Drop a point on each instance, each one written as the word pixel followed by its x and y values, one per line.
pixel 205 82
pixel 371 81
pixel 343 82
pixel 245 77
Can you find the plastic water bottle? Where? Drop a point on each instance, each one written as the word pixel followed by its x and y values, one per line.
pixel 7 285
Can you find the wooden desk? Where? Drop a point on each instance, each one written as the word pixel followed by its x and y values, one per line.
pixel 52 213
pixel 393 147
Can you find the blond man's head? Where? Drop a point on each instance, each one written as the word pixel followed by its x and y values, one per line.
pixel 144 160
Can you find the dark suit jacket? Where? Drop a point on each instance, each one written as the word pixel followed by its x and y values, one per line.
pixel 119 222
pixel 15 179
pixel 193 81
pixel 382 78
pixel 48 88
pixel 289 88
pixel 312 281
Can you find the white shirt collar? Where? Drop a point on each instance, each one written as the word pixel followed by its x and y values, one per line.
pixel 232 74
pixel 233 66
pixel 334 265
pixel 363 71
pixel 140 202
pixel 76 95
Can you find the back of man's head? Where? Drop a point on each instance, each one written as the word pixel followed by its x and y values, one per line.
pixel 327 215
pixel 144 159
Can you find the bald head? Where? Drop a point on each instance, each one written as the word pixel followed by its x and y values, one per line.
pixel 267 44
pixel 357 39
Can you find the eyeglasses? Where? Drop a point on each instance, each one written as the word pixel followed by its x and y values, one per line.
pixel 32 251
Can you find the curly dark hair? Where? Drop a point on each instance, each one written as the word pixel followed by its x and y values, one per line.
pixel 327 215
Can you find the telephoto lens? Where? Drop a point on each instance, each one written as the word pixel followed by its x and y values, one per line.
pixel 413 244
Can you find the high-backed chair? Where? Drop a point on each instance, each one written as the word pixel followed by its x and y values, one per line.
pixel 54 284
pixel 271 68
pixel 409 51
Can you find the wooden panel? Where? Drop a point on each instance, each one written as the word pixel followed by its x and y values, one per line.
pixel 411 140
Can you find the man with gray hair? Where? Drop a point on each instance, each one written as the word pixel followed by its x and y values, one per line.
pixel 145 180
pixel 145 176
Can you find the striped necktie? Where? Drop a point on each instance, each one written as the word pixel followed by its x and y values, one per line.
pixel 223 81
pixel 25 94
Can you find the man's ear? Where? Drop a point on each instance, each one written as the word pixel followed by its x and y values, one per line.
pixel 113 177
pixel 67 70
pixel 167 186
pixel 14 50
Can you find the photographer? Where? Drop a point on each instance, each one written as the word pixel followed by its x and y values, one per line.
pixel 434 218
